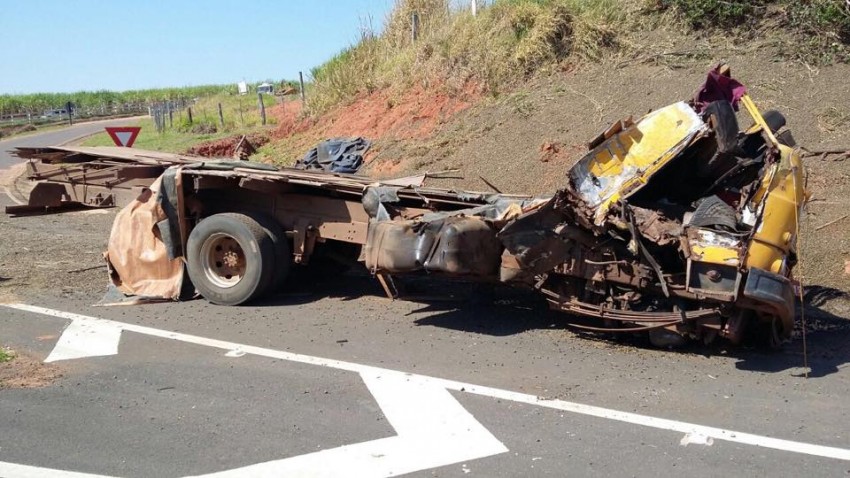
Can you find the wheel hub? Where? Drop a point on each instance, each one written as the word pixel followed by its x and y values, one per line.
pixel 223 260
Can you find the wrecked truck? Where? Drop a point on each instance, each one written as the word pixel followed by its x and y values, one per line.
pixel 681 224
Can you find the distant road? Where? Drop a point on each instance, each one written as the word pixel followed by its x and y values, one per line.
pixel 54 137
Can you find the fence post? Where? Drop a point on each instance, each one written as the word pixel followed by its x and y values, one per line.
pixel 170 115
pixel 301 81
pixel 220 116
pixel 189 112
pixel 414 26
pixel 262 108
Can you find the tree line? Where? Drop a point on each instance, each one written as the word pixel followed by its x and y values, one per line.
pixel 104 101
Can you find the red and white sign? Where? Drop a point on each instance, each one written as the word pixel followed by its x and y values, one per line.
pixel 123 135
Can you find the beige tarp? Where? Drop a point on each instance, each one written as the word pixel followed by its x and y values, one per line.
pixel 137 256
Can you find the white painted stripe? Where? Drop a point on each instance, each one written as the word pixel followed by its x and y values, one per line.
pixel 86 338
pixel 572 407
pixel 433 430
pixel 12 196
pixel 13 470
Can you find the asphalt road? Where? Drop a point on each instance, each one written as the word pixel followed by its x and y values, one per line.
pixel 329 378
pixel 54 137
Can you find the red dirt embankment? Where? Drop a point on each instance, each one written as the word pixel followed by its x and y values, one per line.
pixel 226 147
pixel 412 114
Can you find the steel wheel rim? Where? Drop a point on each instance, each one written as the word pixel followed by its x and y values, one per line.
pixel 223 260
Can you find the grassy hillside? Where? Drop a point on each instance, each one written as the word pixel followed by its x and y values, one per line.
pixel 511 40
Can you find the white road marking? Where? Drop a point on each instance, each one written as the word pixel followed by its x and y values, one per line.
pixel 13 197
pixel 572 407
pixel 87 337
pixel 14 470
pixel 433 430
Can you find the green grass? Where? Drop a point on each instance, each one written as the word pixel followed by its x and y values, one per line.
pixel 180 137
pixel 822 26
pixel 240 112
pixel 511 40
pixel 172 140
pixel 107 102
pixel 6 355
pixel 508 41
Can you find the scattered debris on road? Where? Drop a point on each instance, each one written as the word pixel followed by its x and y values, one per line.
pixel 24 371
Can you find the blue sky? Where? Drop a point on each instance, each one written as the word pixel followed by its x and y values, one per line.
pixel 65 46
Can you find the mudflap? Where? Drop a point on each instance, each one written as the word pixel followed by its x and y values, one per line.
pixel 772 293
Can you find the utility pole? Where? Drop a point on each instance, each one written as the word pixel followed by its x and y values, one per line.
pixel 262 108
pixel 414 26
pixel 301 81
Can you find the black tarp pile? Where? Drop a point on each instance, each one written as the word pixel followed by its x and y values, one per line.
pixel 337 155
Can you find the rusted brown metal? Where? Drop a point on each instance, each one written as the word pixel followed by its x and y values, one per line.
pixel 624 242
pixel 74 177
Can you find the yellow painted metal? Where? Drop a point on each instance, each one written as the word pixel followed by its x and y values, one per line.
pixel 758 118
pixel 778 201
pixel 623 163
pixel 783 197
pixel 715 254
pixel 714 247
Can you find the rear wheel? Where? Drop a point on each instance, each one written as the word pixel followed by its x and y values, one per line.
pixel 230 258
pixel 282 250
pixel 769 333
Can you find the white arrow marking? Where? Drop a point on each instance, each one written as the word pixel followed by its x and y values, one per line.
pixel 498 393
pixel 86 337
pixel 14 470
pixel 433 430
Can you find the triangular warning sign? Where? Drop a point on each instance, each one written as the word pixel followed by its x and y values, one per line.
pixel 123 135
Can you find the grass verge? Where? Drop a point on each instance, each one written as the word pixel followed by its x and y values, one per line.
pixel 821 26
pixel 504 43
pixel 240 117
pixel 172 140
pixel 510 40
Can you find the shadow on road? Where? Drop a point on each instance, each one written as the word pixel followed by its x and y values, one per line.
pixel 826 339
pixel 503 311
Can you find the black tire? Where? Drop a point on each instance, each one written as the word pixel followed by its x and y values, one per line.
pixel 715 213
pixel 224 246
pixel 725 124
pixel 726 130
pixel 282 251
pixel 768 334
pixel 774 119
